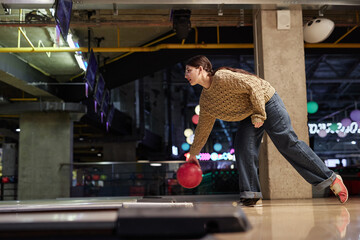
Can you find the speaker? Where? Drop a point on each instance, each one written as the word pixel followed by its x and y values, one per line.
pixel 283 19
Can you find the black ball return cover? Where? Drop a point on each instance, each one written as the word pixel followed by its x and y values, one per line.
pixel 188 222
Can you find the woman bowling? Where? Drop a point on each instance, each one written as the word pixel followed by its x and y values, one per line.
pixel 236 95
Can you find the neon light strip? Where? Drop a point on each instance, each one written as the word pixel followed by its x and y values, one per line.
pixel 314 128
pixel 213 156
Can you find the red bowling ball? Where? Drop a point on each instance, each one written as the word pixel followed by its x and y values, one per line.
pixel 189 175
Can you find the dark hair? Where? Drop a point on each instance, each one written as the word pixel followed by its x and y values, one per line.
pixel 204 62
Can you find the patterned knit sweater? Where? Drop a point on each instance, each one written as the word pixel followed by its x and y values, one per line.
pixel 232 96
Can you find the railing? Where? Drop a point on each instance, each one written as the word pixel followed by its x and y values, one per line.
pixel 145 178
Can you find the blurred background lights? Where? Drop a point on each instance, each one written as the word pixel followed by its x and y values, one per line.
pixel 190 139
pixel 334 127
pixel 341 134
pixel 197 109
pixel 312 107
pixel 214 156
pixel 185 146
pixel 188 132
pixel 175 151
pixel 217 147
pixel 155 164
pixel 355 115
pixel 195 119
pixel 346 122
pixel 322 133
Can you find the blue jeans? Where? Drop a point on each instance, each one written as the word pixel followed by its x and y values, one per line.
pixel 297 153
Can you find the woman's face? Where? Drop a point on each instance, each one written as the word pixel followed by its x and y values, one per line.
pixel 192 74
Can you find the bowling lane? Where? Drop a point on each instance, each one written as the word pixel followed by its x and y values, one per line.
pixel 322 218
pixel 33 219
pixel 311 219
pixel 64 204
pixel 106 203
pixel 72 216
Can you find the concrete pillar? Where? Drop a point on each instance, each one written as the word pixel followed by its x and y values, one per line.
pixel 280 60
pixel 46 141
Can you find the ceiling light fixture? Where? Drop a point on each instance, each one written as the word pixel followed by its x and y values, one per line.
pixel 78 55
pixel 319 28
pixel 7 10
pixel 322 10
pixel 115 9
pixel 220 9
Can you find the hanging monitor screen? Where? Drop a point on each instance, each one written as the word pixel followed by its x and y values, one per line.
pixel 63 16
pixel 91 71
pixel 100 87
pixel 110 115
pixel 106 102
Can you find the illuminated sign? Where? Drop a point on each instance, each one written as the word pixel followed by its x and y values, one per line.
pixel 314 128
pixel 229 156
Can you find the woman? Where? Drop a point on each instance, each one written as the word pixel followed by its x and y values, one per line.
pixel 236 95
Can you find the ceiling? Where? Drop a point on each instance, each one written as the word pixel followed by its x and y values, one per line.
pixel 333 74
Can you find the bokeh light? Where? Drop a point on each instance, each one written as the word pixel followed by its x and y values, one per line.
pixel 185 146
pixel 312 107
pixel 197 109
pixel 195 119
pixel 334 127
pixel 217 147
pixel 188 132
pixel 322 133
pixel 355 115
pixel 190 139
pixel 346 122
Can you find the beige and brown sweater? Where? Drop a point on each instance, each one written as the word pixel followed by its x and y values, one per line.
pixel 232 96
